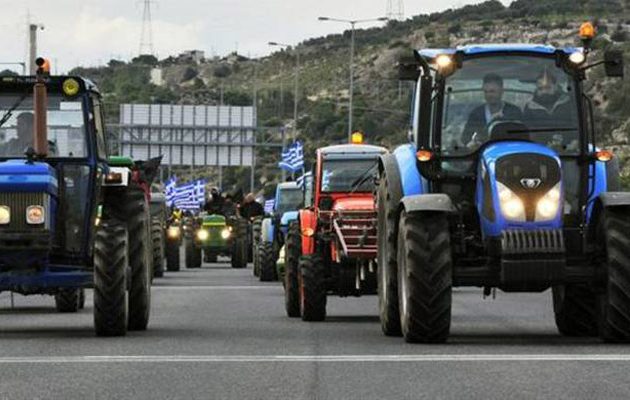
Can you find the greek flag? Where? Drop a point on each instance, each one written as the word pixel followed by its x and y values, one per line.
pixel 269 205
pixel 200 192
pixel 293 158
pixel 169 190
pixel 190 196
pixel 303 179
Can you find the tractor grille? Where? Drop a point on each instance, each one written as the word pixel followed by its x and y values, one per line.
pixel 18 203
pixel 515 242
pixel 356 233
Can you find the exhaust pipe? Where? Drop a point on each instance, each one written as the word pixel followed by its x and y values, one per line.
pixel 40 109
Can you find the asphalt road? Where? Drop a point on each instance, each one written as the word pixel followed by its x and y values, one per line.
pixel 218 333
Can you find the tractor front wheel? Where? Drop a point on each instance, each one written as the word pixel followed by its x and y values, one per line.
pixel 157 238
pixel 68 300
pixel 292 252
pixel 267 262
pixel 575 309
pixel 312 281
pixel 424 277
pixel 614 231
pixel 172 255
pixel 193 254
pixel 239 246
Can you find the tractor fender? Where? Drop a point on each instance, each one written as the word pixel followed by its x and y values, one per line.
pixel 439 202
pixel 308 224
pixel 607 200
pixel 266 231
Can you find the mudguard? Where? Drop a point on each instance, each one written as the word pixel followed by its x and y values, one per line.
pixel 608 200
pixel 428 202
pixel 410 179
pixel 308 227
pixel 266 231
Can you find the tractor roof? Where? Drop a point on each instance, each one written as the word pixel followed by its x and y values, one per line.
pixel 54 83
pixel 354 149
pixel 288 185
pixel 534 49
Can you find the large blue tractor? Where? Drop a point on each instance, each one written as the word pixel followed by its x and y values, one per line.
pixel 289 198
pixel 68 219
pixel 503 186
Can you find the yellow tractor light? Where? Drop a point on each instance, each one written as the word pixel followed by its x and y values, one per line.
pixel 308 232
pixel 356 138
pixel 587 31
pixel 424 155
pixel 70 87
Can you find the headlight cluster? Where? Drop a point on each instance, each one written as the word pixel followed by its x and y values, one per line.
pixel 513 208
pixel 225 233
pixel 203 234
pixel 35 215
pixel 172 232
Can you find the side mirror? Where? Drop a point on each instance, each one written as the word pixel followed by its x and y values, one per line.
pixel 408 69
pixel 613 63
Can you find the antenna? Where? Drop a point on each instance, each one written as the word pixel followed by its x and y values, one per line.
pixel 146 36
pixel 395 10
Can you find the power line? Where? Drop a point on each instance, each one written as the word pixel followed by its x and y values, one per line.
pixel 395 10
pixel 146 36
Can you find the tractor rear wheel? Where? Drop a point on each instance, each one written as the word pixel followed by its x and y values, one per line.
pixel 267 262
pixel 312 281
pixel 387 198
pixel 111 304
pixel 256 232
pixel 575 309
pixel 68 300
pixel 614 322
pixel 193 254
pixel 172 255
pixel 239 246
pixel 157 238
pixel 424 277
pixel 292 253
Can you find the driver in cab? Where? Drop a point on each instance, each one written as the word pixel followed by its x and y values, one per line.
pixel 495 109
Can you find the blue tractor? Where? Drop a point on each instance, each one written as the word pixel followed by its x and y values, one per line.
pixel 69 219
pixel 289 199
pixel 503 186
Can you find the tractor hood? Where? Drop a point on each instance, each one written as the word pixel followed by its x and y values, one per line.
pixel 213 220
pixel 519 187
pixel 22 176
pixel 288 217
pixel 363 203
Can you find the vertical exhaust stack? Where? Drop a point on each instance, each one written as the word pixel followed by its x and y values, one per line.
pixel 40 105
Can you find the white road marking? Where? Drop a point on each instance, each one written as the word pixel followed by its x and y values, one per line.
pixel 214 287
pixel 318 359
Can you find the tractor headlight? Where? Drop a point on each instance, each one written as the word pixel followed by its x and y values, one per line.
pixel 548 205
pixel 225 233
pixel 577 57
pixel 172 232
pixel 511 206
pixel 202 234
pixel 5 215
pixel 35 215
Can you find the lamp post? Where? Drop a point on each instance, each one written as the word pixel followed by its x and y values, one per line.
pixel 353 23
pixel 295 86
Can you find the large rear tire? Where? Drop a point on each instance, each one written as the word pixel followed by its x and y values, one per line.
pixel 239 245
pixel 256 232
pixel 110 279
pixel 614 231
pixel 266 258
pixel 193 254
pixel 387 199
pixel 292 252
pixel 172 256
pixel 157 238
pixel 424 277
pixel 68 300
pixel 575 309
pixel 312 280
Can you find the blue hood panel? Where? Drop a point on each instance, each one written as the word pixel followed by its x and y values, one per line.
pixel 19 176
pixel 288 217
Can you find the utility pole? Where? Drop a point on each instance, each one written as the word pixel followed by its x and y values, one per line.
pixel 32 46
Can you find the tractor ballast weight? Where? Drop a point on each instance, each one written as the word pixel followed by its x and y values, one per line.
pixel 520 200
pixel 68 219
pixel 336 233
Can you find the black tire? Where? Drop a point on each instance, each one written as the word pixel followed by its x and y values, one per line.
pixel 575 309
pixel 292 252
pixel 614 322
pixel 193 254
pixel 81 299
pixel 424 277
pixel 266 257
pixel 388 197
pixel 210 257
pixel 312 281
pixel 172 256
pixel 256 232
pixel 68 300
pixel 239 245
pixel 157 238
pixel 110 279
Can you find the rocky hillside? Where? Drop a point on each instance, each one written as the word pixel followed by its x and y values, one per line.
pixel 381 102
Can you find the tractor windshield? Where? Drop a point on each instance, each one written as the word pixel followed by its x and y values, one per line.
pixel 290 200
pixel 348 175
pixel 66 133
pixel 531 92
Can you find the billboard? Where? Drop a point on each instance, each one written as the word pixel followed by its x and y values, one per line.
pixel 185 135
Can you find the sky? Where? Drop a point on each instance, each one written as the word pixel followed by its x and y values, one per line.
pixel 91 32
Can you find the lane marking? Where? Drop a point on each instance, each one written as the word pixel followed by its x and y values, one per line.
pixel 215 287
pixel 318 359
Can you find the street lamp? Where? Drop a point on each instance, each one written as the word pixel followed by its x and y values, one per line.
pixel 352 23
pixel 295 86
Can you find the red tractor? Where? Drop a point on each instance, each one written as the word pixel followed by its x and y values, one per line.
pixel 331 249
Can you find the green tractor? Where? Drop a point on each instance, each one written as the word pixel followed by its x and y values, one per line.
pixel 216 235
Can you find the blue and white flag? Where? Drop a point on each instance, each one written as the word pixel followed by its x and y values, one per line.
pixel 293 158
pixel 303 178
pixel 200 192
pixel 169 190
pixel 269 205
